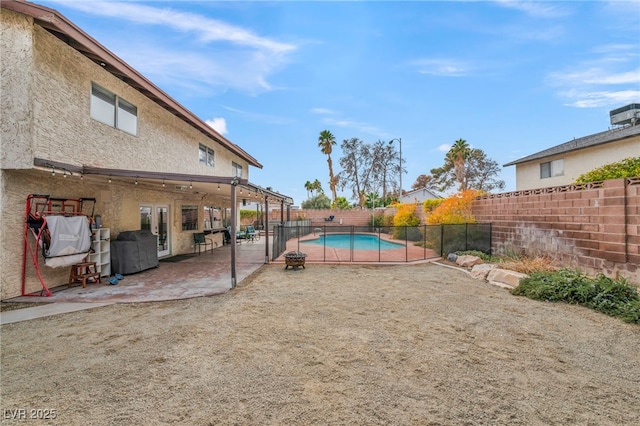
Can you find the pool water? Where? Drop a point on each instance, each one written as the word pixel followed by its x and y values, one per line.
pixel 360 242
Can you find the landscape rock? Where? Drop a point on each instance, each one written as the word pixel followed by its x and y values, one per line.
pixel 503 276
pixel 481 271
pixel 468 261
pixel 452 257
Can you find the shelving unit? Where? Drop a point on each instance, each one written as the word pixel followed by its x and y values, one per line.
pixel 101 250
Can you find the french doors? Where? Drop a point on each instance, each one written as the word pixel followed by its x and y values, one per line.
pixel 155 218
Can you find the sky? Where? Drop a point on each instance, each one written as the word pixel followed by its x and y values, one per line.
pixel 510 77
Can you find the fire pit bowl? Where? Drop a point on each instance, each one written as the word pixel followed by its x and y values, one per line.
pixel 294 259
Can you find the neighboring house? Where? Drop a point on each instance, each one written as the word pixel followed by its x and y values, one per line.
pixel 78 122
pixel 564 163
pixel 418 196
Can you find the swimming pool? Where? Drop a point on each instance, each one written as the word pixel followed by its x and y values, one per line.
pixel 360 242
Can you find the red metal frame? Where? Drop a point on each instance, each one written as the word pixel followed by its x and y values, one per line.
pixel 38 207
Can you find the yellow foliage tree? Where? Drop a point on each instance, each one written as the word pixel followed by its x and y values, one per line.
pixel 429 205
pixel 455 209
pixel 406 216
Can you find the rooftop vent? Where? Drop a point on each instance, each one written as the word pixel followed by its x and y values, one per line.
pixel 629 114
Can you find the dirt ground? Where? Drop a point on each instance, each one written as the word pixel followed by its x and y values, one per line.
pixel 403 344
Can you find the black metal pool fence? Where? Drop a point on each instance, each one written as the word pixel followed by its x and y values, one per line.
pixel 418 242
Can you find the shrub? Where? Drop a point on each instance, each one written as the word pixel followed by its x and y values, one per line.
pixel 405 222
pixel 615 298
pixel 429 205
pixel 406 216
pixel 455 209
pixel 629 167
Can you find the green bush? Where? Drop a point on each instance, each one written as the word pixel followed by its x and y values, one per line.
pixel 629 167
pixel 616 298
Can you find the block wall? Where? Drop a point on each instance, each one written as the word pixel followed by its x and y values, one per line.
pixel 594 227
pixel 355 217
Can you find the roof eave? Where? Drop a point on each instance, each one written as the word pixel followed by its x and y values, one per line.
pixel 54 22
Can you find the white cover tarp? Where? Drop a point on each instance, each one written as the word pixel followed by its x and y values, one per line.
pixel 70 240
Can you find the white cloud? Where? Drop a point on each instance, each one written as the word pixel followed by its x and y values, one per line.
pixel 322 111
pixel 206 28
pixel 357 125
pixel 219 124
pixel 220 55
pixel 536 9
pixel 610 79
pixel 260 117
pixel 602 98
pixel 441 67
pixel 444 147
pixel 595 76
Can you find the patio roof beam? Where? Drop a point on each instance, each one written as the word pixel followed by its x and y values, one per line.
pixel 161 176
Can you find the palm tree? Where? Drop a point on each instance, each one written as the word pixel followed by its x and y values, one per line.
pixel 309 187
pixel 458 155
pixel 316 186
pixel 326 141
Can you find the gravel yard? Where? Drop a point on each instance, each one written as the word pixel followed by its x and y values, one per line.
pixel 348 344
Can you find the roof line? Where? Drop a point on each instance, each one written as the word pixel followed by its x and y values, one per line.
pixel 612 135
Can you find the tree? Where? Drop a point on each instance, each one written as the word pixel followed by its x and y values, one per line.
pixel 342 203
pixel 316 187
pixel 458 155
pixel 309 187
pixel 480 173
pixel 386 167
pixel 326 141
pixel 320 201
pixel 425 181
pixel 353 162
pixel 368 168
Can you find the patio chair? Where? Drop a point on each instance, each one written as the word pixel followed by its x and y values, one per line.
pixel 200 240
pixel 240 234
pixel 252 234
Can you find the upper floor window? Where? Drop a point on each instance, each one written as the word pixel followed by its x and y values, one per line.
pixel 110 109
pixel 236 169
pixel 551 169
pixel 205 155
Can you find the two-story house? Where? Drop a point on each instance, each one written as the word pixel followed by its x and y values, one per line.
pixel 563 164
pixel 78 122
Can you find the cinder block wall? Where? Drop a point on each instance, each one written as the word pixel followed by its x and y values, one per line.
pixel 594 227
pixel 354 217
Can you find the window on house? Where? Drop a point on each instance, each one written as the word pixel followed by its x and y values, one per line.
pixel 189 218
pixel 212 217
pixel 236 169
pixel 109 109
pixel 551 169
pixel 205 155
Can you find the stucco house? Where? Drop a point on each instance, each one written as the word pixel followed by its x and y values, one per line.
pixel 78 122
pixel 418 196
pixel 563 164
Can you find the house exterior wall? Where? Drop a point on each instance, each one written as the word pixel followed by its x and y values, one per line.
pixel 16 48
pixel 575 163
pixel 418 196
pixel 46 95
pixel 594 227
